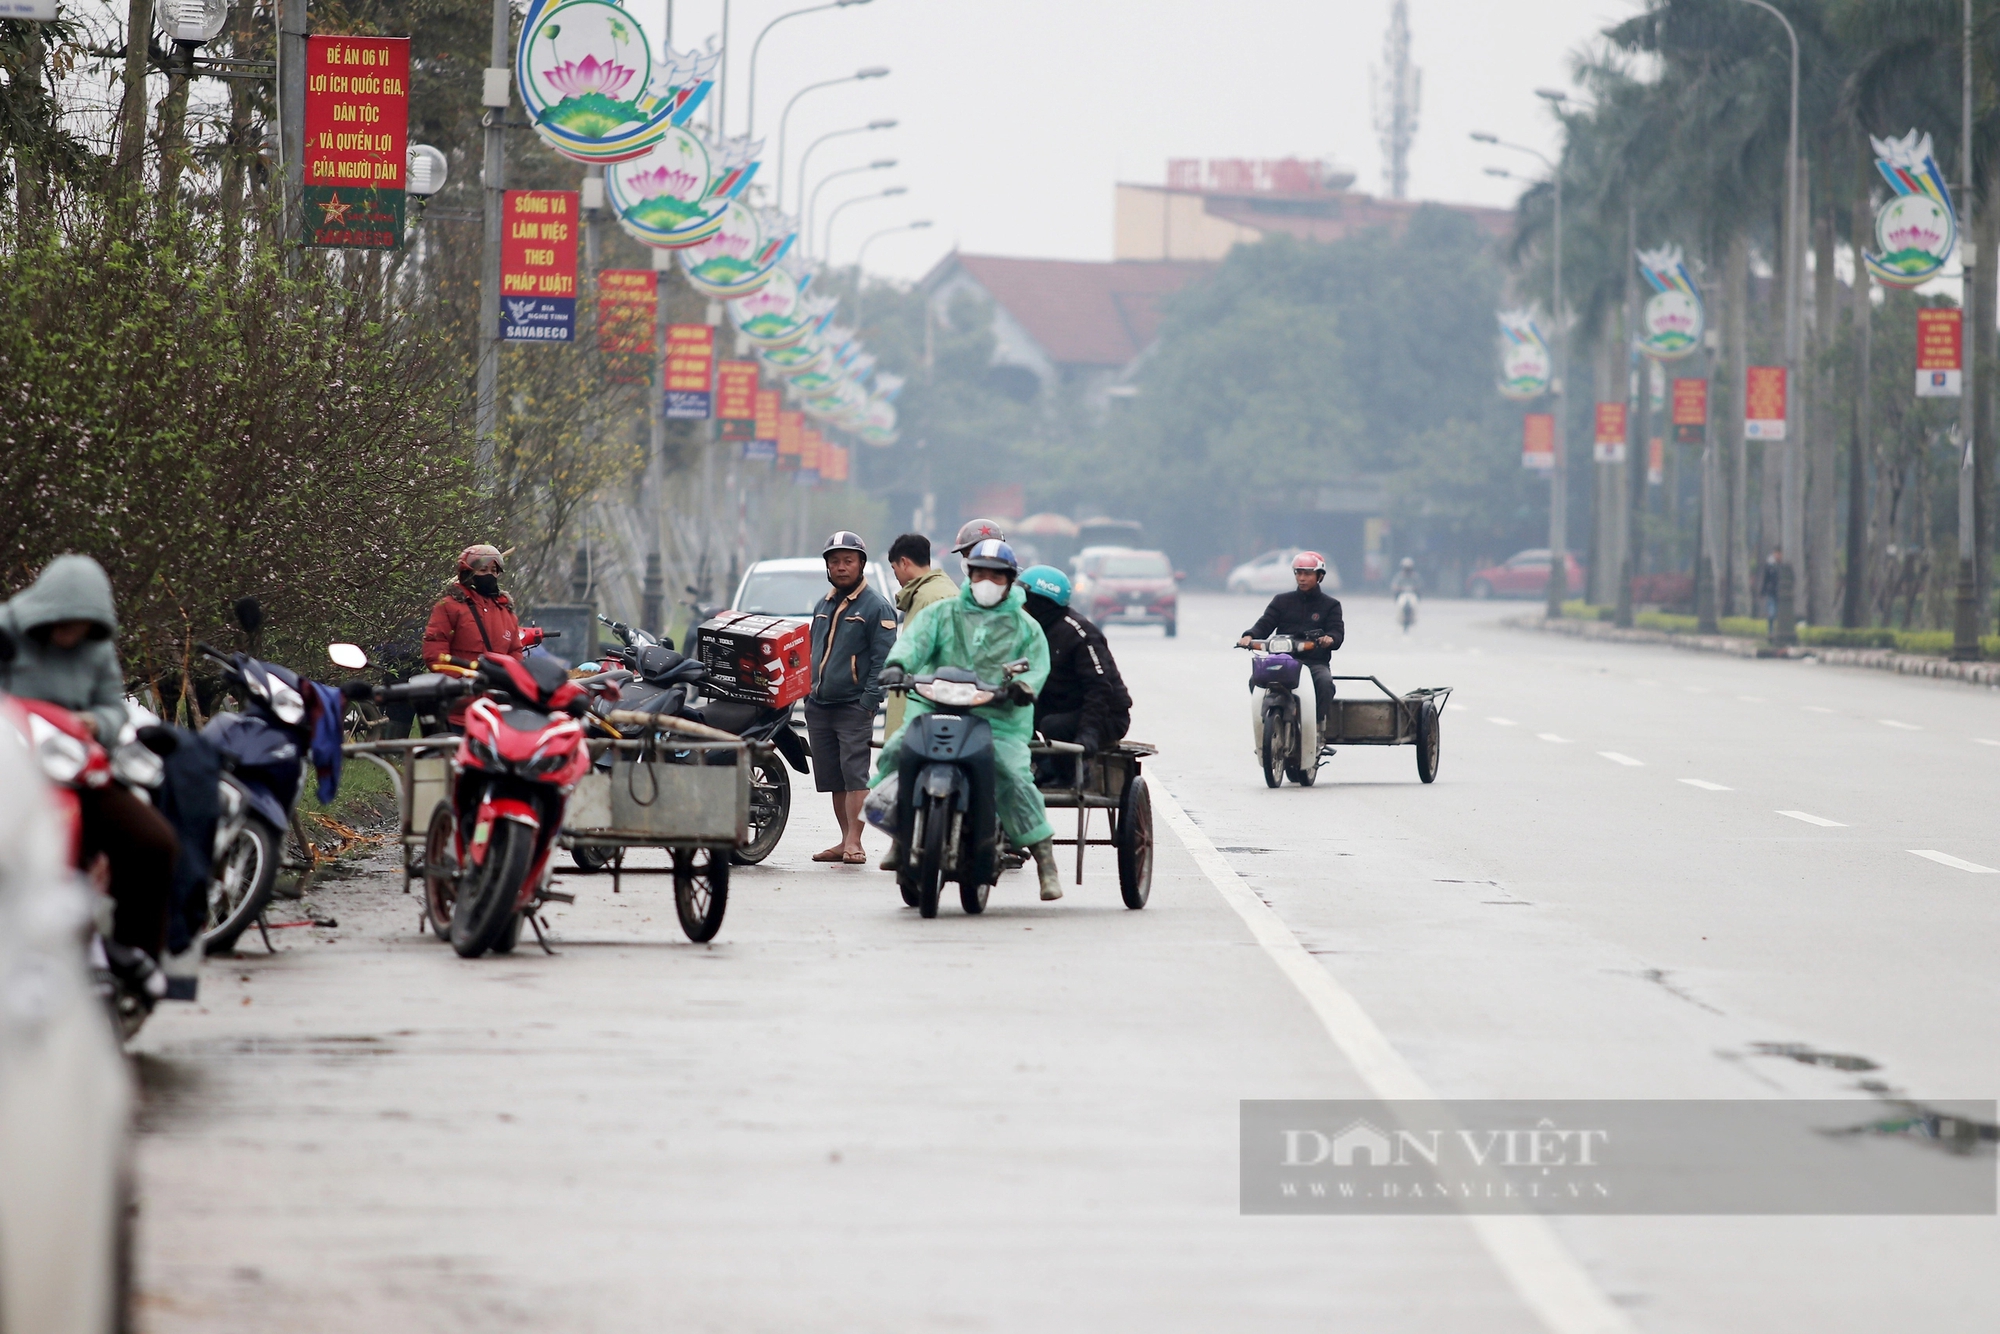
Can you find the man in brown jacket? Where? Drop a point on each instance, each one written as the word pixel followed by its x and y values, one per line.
pixel 473 617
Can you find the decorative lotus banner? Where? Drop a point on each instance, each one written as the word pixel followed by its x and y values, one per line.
pixel 740 258
pixel 587 78
pixel 1525 363
pixel 780 314
pixel 1917 228
pixel 1671 323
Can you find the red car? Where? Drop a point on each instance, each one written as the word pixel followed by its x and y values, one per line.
pixel 1120 586
pixel 1525 574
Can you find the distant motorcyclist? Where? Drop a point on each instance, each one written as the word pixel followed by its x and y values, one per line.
pixel 982 629
pixel 1085 700
pixel 472 618
pixel 1407 580
pixel 62 628
pixel 1310 617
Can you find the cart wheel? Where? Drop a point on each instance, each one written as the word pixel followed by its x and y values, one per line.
pixel 972 898
pixel 591 860
pixel 1427 743
pixel 440 870
pixel 770 808
pixel 1135 844
pixel 701 890
pixel 1274 750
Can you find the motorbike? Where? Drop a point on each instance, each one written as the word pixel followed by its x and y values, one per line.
pixel 1406 609
pixel 945 812
pixel 662 672
pixel 521 755
pixel 1284 713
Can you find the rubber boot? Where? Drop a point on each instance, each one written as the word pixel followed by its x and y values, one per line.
pixel 893 859
pixel 1045 866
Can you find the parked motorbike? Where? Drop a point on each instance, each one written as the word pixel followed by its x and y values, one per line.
pixel 946 815
pixel 521 756
pixel 1284 714
pixel 661 672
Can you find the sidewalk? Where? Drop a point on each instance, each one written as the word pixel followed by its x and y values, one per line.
pixel 1884 660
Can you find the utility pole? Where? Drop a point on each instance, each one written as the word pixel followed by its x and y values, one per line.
pixel 1636 400
pixel 291 116
pixel 496 94
pixel 653 602
pixel 1398 89
pixel 1965 612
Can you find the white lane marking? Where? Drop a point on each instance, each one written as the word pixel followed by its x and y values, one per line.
pixel 1819 820
pixel 1695 690
pixel 1525 1247
pixel 1751 699
pixel 1616 758
pixel 1946 859
pixel 1706 786
pixel 1551 736
pixel 1814 708
pixel 1460 707
pixel 1986 741
pixel 1891 722
pixel 1643 682
pixel 1503 722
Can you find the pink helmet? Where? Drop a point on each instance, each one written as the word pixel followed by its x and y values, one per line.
pixel 1311 562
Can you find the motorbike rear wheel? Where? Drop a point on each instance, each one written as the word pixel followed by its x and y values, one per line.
pixel 591 860
pixel 241 886
pixel 701 891
pixel 972 898
pixel 770 808
pixel 480 914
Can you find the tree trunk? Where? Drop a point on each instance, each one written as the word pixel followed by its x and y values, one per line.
pixel 131 156
pixel 31 184
pixel 1854 602
pixel 172 133
pixel 1823 457
pixel 1736 279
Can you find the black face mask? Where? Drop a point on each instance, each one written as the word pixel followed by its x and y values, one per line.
pixel 486 585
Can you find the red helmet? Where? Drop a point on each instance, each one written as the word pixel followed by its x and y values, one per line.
pixel 1311 562
pixel 480 552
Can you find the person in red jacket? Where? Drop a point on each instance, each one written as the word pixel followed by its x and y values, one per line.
pixel 473 617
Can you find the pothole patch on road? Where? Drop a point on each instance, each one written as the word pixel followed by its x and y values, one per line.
pixel 1958 1135
pixel 1807 1055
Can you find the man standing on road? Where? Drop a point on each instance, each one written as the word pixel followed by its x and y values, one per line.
pixel 853 628
pixel 920 584
pixel 1767 589
pixel 1313 619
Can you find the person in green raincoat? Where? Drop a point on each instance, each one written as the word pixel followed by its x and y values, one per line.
pixel 982 629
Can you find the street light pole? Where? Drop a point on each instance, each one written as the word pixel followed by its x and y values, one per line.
pixel 826 251
pixel 1965 611
pixel 496 95
pixel 805 158
pixel 1558 585
pixel 750 125
pixel 784 120
pixel 862 254
pixel 812 204
pixel 1792 483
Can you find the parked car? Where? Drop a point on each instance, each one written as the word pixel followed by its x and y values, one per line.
pixel 1121 586
pixel 1525 574
pixel 1272 573
pixel 790 586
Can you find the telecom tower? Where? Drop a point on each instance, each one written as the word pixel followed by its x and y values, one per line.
pixel 1398 93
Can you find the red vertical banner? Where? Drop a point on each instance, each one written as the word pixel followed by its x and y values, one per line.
pixel 1939 360
pixel 763 444
pixel 357 105
pixel 791 440
pixel 690 373
pixel 627 302
pixel 736 399
pixel 832 462
pixel 1538 441
pixel 1656 461
pixel 1690 399
pixel 1764 403
pixel 538 266
pixel 809 451
pixel 1608 443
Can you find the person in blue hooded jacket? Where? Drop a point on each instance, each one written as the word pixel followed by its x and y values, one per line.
pixel 982 629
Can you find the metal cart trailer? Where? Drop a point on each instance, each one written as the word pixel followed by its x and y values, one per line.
pixel 1108 781
pixel 1409 719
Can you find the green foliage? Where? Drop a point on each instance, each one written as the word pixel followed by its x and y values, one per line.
pixel 210 430
pixel 1667 621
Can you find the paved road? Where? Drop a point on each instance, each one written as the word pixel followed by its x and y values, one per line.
pixel 840 1117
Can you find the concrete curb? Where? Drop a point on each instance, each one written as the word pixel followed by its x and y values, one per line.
pixel 1881 660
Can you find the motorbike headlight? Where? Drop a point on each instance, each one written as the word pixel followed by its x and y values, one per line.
pixel 955 694
pixel 63 758
pixel 482 754
pixel 287 703
pixel 546 763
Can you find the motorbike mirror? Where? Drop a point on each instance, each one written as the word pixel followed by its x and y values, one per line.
pixel 162 741
pixel 1015 668
pixel 7 649
pixel 249 615
pixel 350 656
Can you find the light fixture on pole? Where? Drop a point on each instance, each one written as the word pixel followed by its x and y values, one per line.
pixel 1558 475
pixel 826 251
pixel 812 204
pixel 873 237
pixel 805 158
pixel 750 125
pixel 784 121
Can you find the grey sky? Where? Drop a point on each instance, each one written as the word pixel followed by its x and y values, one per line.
pixel 1018 115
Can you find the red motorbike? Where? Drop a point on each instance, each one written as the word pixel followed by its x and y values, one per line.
pixel 522 755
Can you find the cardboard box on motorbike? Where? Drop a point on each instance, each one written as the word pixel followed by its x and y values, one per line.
pixel 763 660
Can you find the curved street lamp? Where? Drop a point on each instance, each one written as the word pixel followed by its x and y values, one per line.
pixel 873 237
pixel 871 72
pixel 827 249
pixel 805 158
pixel 812 205
pixel 750 128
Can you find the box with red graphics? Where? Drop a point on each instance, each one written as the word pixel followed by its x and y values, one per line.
pixel 756 659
